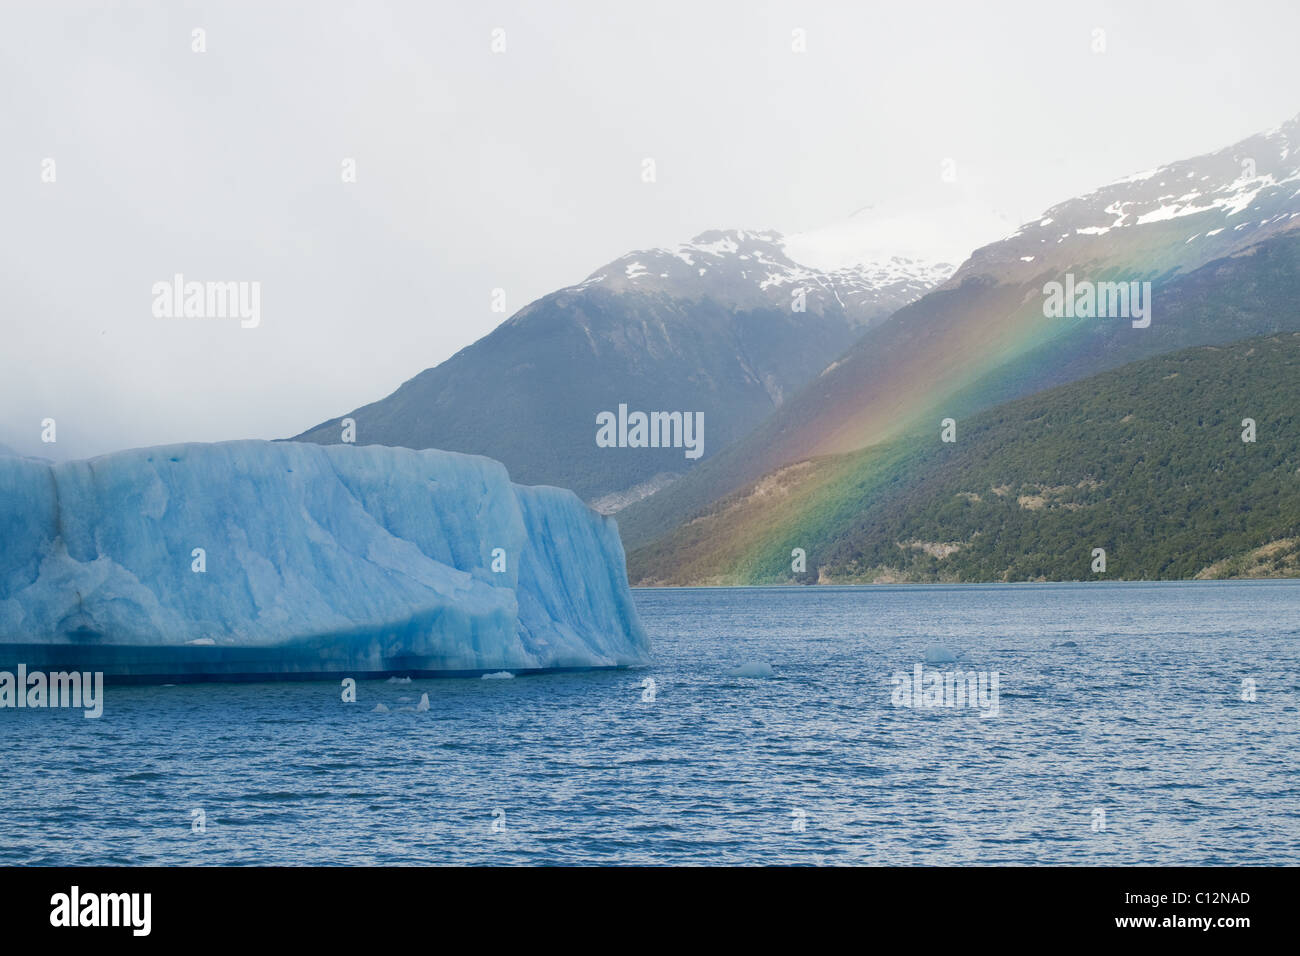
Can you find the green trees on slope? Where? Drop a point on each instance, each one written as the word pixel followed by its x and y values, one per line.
pixel 1146 461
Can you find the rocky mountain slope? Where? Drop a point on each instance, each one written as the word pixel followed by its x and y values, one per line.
pixel 727 325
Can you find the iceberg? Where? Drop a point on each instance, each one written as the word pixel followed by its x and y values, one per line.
pixel 939 654
pixel 759 669
pixel 251 559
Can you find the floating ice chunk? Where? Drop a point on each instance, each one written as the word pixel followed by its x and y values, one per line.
pixel 499 675
pixel 423 705
pixel 758 669
pixel 399 680
pixel 319 560
pixel 938 654
pixel 379 709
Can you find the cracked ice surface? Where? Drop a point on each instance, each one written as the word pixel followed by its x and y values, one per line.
pixel 319 559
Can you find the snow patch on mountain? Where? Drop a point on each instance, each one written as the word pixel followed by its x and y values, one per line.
pixel 1241 195
pixel 753 268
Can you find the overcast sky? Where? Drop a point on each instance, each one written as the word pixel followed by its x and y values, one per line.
pixel 519 170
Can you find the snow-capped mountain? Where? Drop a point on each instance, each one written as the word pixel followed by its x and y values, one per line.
pixel 726 325
pixel 1217 236
pixel 1201 208
pixel 753 269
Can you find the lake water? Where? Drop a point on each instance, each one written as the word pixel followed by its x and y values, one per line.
pixel 1133 746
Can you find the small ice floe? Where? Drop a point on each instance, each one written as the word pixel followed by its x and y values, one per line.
pixel 938 654
pixel 760 669
pixel 399 680
pixel 202 642
pixel 424 703
pixel 379 709
pixel 498 675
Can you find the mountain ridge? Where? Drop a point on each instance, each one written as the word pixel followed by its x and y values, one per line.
pixel 985 330
pixel 727 324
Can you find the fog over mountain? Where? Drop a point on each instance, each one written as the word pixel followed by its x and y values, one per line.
pixel 1210 245
pixel 519 170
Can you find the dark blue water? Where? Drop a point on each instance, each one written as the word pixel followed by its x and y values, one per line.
pixel 1143 720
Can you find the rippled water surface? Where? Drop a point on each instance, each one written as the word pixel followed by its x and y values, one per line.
pixel 1143 719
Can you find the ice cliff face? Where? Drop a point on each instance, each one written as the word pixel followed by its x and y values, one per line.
pixel 315 559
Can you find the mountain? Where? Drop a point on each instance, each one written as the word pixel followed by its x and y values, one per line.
pixel 712 326
pixel 753 270
pixel 1218 238
pixel 1146 461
